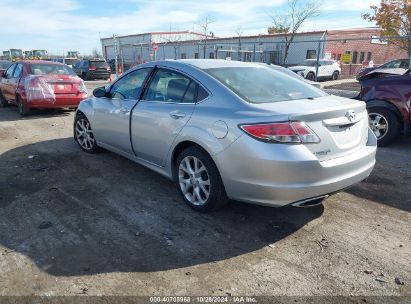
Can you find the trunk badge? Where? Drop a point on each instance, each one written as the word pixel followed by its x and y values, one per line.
pixel 351 115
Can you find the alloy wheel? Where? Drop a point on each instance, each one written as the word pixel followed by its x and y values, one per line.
pixel 84 135
pixel 378 124
pixel 194 180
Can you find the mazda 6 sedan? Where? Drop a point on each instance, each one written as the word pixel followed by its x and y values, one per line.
pixel 231 130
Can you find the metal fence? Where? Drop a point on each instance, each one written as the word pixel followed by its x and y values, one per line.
pixel 312 57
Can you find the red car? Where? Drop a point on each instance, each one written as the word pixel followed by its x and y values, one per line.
pixel 41 84
pixel 388 99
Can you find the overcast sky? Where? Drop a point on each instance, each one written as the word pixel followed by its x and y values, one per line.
pixel 62 25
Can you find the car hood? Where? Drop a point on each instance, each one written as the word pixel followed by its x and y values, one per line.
pixel 299 67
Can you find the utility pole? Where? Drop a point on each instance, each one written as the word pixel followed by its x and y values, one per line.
pixel 115 53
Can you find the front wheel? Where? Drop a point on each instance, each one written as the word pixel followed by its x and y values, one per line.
pixel 385 125
pixel 83 135
pixel 311 76
pixel 335 75
pixel 199 181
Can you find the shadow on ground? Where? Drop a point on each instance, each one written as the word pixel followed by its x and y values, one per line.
pixel 10 113
pixel 390 181
pixel 103 213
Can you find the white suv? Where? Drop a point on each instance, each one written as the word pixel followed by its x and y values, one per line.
pixel 327 69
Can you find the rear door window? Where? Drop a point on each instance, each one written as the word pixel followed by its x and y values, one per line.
pixel 18 71
pixel 171 86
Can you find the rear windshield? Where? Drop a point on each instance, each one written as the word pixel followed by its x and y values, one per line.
pixel 4 65
pixel 50 69
pixel 98 64
pixel 263 84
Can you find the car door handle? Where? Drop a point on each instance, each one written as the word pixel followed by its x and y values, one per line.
pixel 124 110
pixel 177 114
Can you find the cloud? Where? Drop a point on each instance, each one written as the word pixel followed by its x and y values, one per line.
pixel 78 25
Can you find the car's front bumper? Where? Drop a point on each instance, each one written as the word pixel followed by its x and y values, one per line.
pixel 278 174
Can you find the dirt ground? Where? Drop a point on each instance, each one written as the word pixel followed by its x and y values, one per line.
pixel 73 223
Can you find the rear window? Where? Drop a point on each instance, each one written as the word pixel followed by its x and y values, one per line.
pixel 4 65
pixel 263 84
pixel 50 69
pixel 99 64
pixel 71 62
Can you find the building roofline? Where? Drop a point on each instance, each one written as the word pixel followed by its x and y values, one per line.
pixel 156 33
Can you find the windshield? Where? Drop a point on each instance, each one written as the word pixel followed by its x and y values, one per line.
pixel 310 63
pixel 4 65
pixel 263 84
pixel 50 69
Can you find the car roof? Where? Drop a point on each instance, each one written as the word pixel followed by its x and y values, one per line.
pixel 213 63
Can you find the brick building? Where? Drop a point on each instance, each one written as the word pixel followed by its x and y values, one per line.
pixel 363 45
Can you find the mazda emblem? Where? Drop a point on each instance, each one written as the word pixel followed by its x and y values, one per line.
pixel 350 115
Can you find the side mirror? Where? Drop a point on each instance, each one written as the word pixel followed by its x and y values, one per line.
pixel 2 73
pixel 100 92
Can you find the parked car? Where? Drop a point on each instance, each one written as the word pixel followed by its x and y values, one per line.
pixel 71 62
pixel 4 65
pixel 327 69
pixel 92 69
pixel 388 103
pixel 41 84
pixel 403 64
pixel 292 74
pixel 228 129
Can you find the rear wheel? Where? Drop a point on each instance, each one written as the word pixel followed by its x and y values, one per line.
pixel 199 181
pixel 84 76
pixel 84 136
pixel 311 76
pixel 3 101
pixel 335 75
pixel 22 107
pixel 385 125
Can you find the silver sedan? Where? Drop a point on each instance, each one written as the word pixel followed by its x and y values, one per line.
pixel 231 130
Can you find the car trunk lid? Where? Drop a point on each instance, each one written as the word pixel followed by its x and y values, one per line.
pixel 65 84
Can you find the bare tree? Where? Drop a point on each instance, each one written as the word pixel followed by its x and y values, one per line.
pixel 204 25
pixel 290 22
pixel 239 33
pixel 96 53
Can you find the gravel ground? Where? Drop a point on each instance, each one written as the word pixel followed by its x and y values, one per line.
pixel 73 223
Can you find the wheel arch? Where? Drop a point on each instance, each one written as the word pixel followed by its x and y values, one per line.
pixel 180 147
pixel 379 103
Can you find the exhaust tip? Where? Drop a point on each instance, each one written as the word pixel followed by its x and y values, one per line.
pixel 311 202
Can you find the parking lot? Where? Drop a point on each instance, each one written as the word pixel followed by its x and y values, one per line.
pixel 73 223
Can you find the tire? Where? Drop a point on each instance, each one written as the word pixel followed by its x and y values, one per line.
pixel 22 107
pixel 84 76
pixel 385 124
pixel 3 101
pixel 83 134
pixel 212 195
pixel 335 75
pixel 310 76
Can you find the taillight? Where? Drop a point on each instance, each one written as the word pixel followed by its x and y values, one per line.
pixel 92 68
pixel 293 132
pixel 81 87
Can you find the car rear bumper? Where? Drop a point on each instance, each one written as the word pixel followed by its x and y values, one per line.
pixel 99 75
pixel 278 175
pixel 62 101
